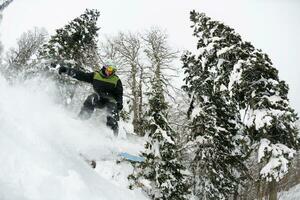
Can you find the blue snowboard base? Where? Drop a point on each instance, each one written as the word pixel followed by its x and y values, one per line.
pixel 131 157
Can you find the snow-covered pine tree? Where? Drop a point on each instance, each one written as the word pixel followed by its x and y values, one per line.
pixel 215 122
pixel 161 175
pixel 233 72
pixel 76 42
pixel 270 121
pixel 74 45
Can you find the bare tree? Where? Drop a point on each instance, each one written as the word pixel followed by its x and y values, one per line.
pixel 126 50
pixel 160 56
pixel 132 51
pixel 27 46
pixel 129 47
pixel 4 4
pixel 23 57
pixel 108 51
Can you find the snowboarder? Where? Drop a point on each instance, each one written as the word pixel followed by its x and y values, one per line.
pixel 108 93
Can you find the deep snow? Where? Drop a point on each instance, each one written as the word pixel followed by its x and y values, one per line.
pixel 42 150
pixel 292 194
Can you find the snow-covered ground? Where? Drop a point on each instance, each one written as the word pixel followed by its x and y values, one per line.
pixel 43 150
pixel 291 194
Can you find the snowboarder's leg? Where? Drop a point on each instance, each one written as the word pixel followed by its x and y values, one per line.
pixel 88 106
pixel 113 118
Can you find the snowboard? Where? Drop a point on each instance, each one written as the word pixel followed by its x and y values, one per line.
pixel 130 157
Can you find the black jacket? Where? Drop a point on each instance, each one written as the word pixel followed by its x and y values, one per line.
pixel 106 87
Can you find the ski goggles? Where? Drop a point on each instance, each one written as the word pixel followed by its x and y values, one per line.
pixel 110 68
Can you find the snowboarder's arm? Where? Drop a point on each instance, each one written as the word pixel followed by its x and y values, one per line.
pixel 82 76
pixel 79 75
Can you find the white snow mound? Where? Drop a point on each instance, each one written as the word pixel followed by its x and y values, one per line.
pixel 41 150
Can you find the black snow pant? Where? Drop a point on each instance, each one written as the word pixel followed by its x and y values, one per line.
pixel 95 101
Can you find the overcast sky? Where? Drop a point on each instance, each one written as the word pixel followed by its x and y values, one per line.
pixel 270 25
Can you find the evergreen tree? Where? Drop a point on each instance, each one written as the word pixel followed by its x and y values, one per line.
pixel 270 121
pixel 216 164
pixel 74 45
pixel 241 104
pixel 76 42
pixel 162 168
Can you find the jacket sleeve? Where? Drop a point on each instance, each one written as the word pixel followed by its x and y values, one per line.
pixel 80 75
pixel 119 92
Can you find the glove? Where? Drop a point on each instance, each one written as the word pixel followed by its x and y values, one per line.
pixel 119 106
pixel 62 70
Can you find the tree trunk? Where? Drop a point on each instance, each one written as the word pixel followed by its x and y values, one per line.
pixel 135 99
pixel 140 108
pixel 259 190
pixel 272 189
pixel 236 194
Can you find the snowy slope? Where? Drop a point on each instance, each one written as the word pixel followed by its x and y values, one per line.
pixel 41 150
pixel 291 194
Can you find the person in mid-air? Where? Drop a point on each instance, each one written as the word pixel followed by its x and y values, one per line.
pixel 108 93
